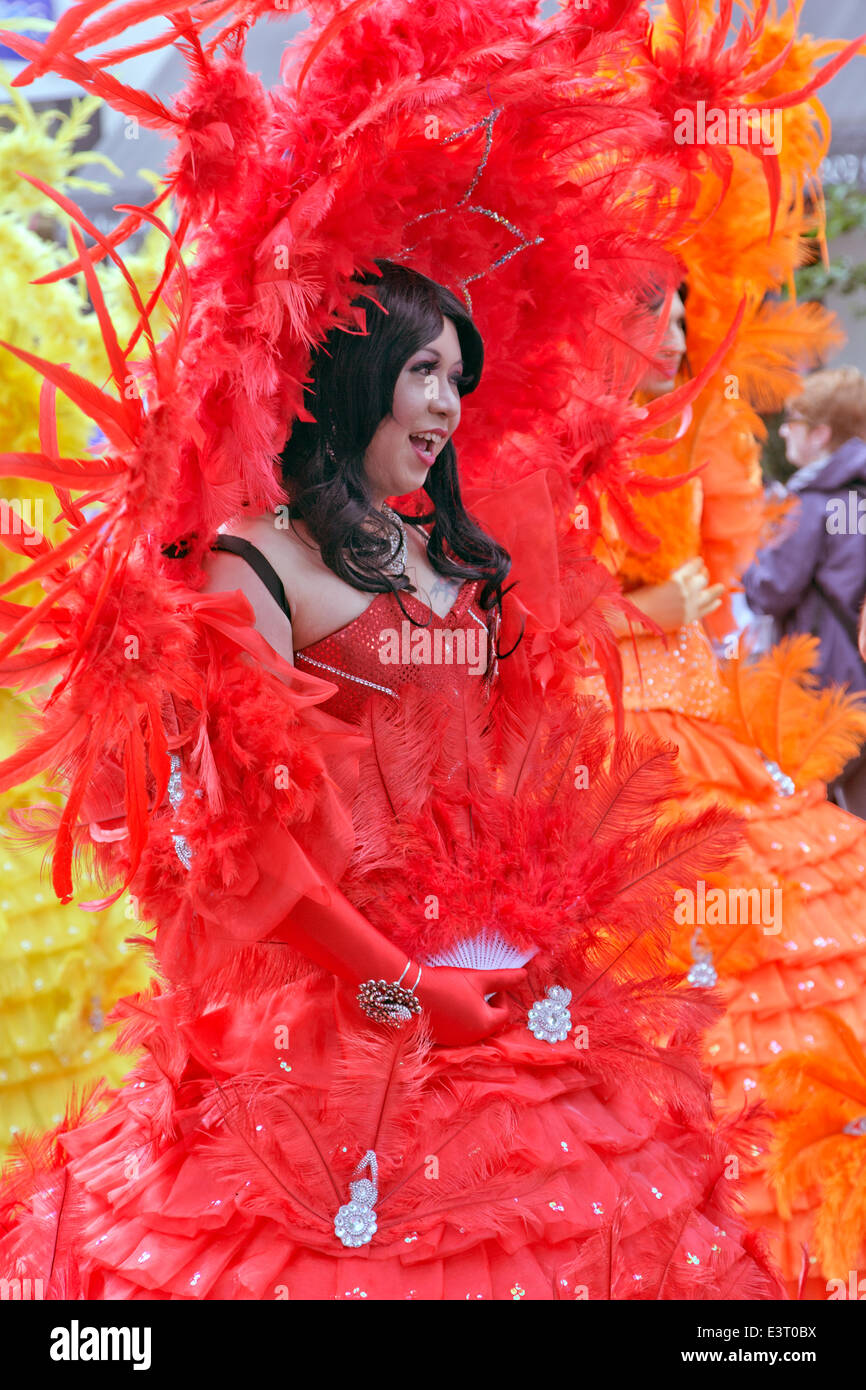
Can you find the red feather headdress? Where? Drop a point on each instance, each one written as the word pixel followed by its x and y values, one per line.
pixel 530 162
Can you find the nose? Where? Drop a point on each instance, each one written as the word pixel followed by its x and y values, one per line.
pixel 675 338
pixel 447 402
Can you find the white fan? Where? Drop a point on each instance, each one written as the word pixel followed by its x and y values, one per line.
pixel 487 950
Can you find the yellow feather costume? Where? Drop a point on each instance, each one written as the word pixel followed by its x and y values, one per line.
pixel 61 968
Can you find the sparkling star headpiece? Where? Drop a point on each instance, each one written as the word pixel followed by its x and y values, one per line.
pixel 487 122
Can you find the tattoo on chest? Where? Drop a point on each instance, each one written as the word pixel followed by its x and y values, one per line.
pixel 440 595
pixel 444 588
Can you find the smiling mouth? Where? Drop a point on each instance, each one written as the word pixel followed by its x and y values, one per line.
pixel 426 449
pixel 668 367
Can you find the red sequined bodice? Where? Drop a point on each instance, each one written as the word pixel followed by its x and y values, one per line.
pixel 381 650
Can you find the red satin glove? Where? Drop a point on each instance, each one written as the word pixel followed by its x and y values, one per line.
pixel 340 939
pixel 454 1000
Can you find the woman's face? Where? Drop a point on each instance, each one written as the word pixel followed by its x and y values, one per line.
pixel 804 443
pixel 661 377
pixel 426 401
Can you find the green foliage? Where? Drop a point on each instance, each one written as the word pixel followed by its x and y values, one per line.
pixel 846 212
pixel 774 461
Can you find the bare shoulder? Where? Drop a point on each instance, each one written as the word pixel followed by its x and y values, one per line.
pixel 227 571
pixel 287 545
pixel 288 549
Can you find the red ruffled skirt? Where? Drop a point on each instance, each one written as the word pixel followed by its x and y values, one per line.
pixel 506 1170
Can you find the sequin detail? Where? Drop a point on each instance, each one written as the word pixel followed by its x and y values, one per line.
pixel 344 675
pixel 685 675
pixel 351 656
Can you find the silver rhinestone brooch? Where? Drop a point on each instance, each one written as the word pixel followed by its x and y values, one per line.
pixel 549 1018
pixel 703 973
pixel 355 1222
pixel 786 786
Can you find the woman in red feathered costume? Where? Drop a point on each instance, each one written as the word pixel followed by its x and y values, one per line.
pixel 300 1127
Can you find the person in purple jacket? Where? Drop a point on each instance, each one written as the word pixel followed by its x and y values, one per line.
pixel 813 577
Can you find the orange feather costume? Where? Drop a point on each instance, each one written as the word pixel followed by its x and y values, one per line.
pixel 779 974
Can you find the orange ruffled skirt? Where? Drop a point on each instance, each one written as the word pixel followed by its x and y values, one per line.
pixel 817 855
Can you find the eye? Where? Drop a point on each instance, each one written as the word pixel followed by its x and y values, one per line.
pixel 459 380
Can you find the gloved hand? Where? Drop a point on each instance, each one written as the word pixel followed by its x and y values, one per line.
pixel 688 596
pixel 696 597
pixel 340 939
pixel 454 1000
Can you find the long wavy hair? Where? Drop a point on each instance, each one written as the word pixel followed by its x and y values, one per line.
pixel 351 390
